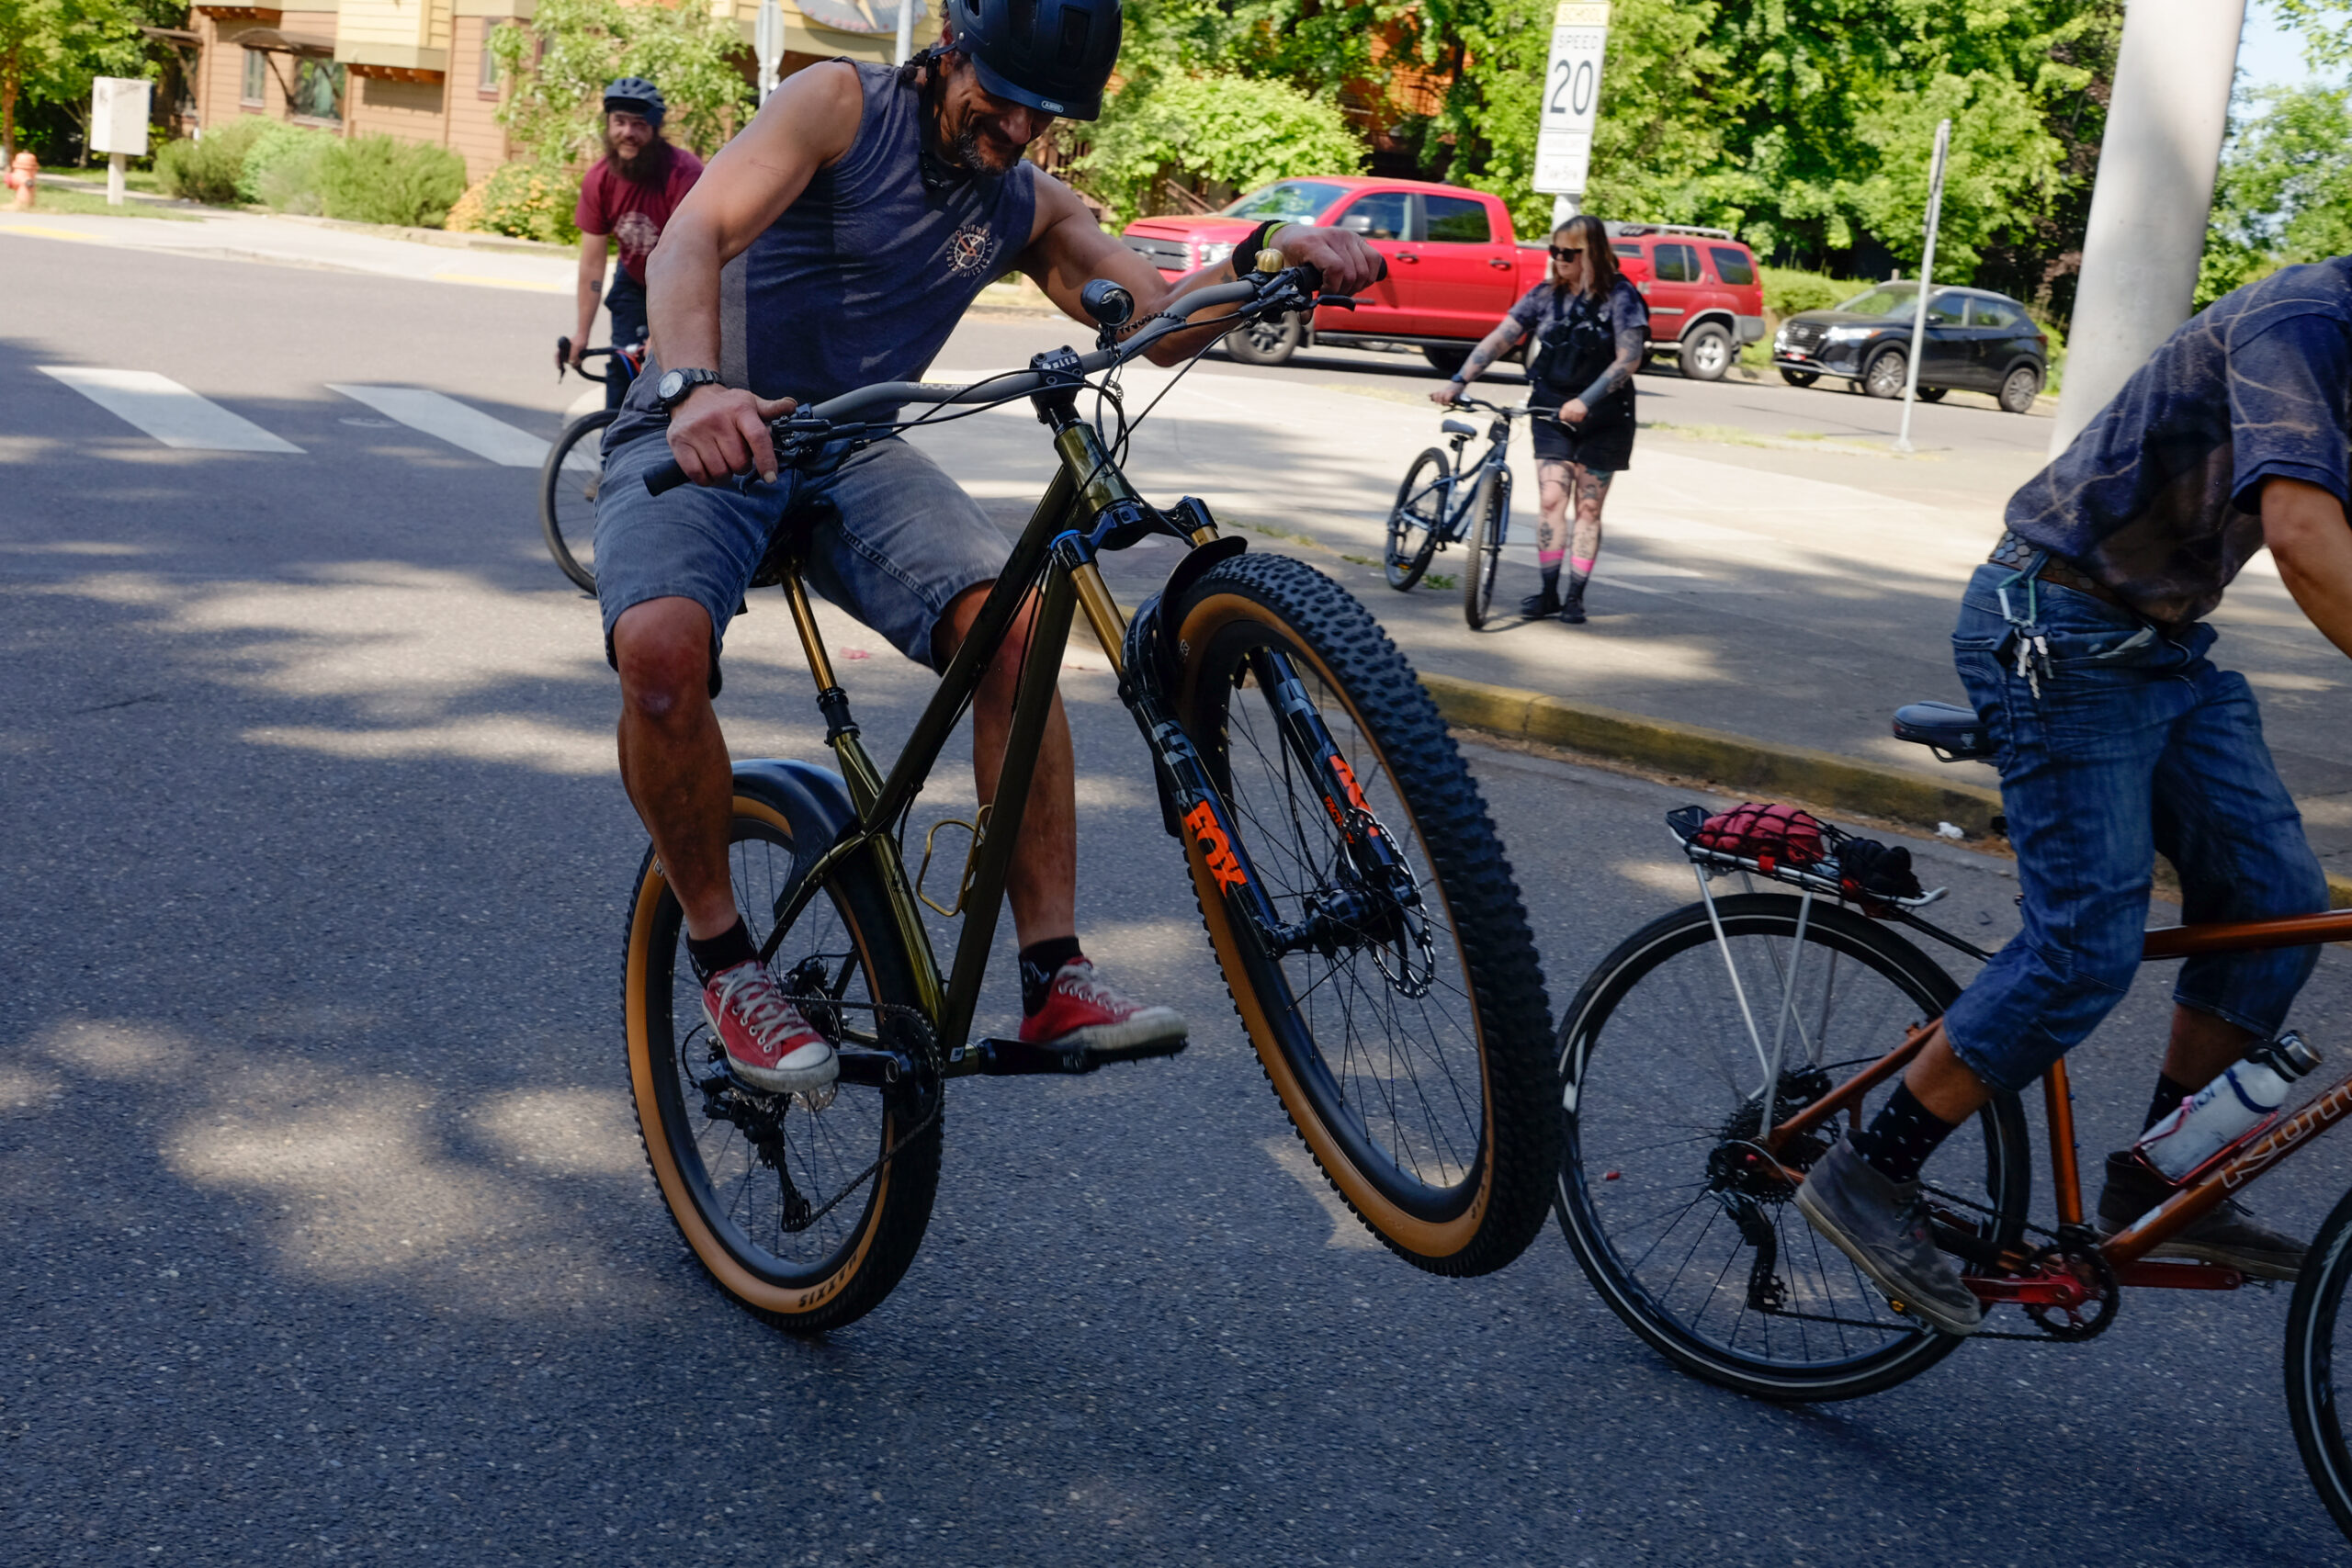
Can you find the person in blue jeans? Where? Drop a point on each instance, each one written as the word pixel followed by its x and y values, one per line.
pixel 2083 646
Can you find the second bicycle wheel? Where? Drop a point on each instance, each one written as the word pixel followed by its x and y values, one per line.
pixel 1414 521
pixel 805 1209
pixel 1489 521
pixel 2314 1404
pixel 1678 1220
pixel 1417 1069
pixel 568 483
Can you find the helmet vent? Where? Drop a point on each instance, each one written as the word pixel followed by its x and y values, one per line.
pixel 1074 30
pixel 1021 20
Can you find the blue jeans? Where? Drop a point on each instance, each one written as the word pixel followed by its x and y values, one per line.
pixel 2137 746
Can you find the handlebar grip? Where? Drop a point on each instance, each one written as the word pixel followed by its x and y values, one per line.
pixel 666 478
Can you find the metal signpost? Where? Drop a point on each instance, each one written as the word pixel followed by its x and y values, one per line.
pixel 118 107
pixel 1926 282
pixel 1571 103
pixel 906 29
pixel 767 42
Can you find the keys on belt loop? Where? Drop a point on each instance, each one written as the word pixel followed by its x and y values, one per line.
pixel 2032 645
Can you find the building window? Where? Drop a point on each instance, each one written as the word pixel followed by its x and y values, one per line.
pixel 318 90
pixel 256 85
pixel 489 83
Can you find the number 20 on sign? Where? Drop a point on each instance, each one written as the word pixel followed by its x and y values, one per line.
pixel 1571 97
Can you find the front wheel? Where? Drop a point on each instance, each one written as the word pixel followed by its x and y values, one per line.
pixel 568 484
pixel 805 1209
pixel 1490 520
pixel 2313 1406
pixel 1707 354
pixel 1414 521
pixel 1675 1215
pixel 1267 342
pixel 1401 1023
pixel 1884 377
pixel 2019 387
pixel 1932 394
pixel 1799 377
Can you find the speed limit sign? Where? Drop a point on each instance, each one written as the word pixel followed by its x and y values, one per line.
pixel 1571 97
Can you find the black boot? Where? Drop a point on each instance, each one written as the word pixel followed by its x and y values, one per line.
pixel 1572 607
pixel 1535 607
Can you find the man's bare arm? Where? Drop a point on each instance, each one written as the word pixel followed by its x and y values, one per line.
pixel 591 288
pixel 810 121
pixel 2304 526
pixel 1068 249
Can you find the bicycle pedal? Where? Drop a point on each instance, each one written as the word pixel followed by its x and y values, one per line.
pixel 1002 1058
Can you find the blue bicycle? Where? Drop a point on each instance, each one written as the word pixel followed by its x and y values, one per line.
pixel 1446 499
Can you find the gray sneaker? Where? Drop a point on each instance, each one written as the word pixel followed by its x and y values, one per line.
pixel 2228 1236
pixel 1884 1228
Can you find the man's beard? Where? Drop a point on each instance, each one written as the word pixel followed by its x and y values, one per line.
pixel 650 167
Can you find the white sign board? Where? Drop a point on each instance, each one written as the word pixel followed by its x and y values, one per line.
pixel 1571 97
pixel 119 115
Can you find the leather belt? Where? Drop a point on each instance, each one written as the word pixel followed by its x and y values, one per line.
pixel 2013 553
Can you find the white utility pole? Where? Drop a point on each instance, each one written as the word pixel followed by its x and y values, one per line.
pixel 2153 197
pixel 1927 283
pixel 905 30
pixel 767 43
pixel 1571 104
pixel 118 107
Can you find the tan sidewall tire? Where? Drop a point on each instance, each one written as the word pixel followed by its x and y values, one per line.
pixel 1434 1240
pixel 738 1281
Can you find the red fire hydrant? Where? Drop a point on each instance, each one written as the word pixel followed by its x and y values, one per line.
pixel 24 174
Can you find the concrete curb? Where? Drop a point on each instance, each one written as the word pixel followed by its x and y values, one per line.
pixel 1737 762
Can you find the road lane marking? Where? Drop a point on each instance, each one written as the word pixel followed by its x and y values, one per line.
pixel 164 408
pixel 36 228
pixel 448 420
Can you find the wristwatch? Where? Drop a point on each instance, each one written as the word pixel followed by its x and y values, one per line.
pixel 672 389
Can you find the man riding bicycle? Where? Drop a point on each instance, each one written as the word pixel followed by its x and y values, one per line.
pixel 625 200
pixel 2083 646
pixel 868 206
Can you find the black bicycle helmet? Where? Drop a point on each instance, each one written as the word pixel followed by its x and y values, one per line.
pixel 635 95
pixel 1053 55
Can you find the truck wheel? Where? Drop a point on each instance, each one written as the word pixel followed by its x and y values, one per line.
pixel 1445 361
pixel 1706 353
pixel 1799 377
pixel 1267 343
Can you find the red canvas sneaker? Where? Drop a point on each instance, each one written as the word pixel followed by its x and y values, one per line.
pixel 1081 1010
pixel 767 1041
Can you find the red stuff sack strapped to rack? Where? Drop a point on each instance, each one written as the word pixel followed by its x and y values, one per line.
pixel 1766 834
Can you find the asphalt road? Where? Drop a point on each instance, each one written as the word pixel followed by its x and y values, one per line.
pixel 328 1239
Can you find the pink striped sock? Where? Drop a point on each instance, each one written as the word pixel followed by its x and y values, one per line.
pixel 1550 558
pixel 1584 565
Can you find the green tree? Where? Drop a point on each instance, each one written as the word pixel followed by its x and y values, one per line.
pixel 2284 194
pixel 50 51
pixel 556 109
pixel 1223 129
pixel 2326 27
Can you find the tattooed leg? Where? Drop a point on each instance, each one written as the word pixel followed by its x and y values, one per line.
pixel 1591 488
pixel 1551 534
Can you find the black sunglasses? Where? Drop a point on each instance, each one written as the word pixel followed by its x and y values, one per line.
pixel 1559 254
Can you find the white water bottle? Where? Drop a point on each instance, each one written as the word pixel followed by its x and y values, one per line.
pixel 2232 1108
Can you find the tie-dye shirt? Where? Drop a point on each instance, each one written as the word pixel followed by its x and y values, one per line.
pixel 2160 497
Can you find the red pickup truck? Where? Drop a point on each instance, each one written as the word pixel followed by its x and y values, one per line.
pixel 1454 266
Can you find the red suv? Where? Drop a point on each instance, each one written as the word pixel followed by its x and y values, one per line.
pixel 1704 296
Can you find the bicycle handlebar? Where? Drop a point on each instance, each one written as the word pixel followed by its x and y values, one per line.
pixel 805 424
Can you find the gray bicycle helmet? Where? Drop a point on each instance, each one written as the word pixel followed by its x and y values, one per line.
pixel 635 95
pixel 1053 55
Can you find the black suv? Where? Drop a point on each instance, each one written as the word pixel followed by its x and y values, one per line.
pixel 1976 339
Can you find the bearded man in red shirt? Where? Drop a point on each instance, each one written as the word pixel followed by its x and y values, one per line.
pixel 626 200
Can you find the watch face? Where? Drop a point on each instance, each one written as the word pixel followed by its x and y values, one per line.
pixel 674 382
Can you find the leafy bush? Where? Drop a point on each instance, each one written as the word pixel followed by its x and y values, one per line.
pixel 561 60
pixel 209 169
pixel 529 201
pixel 375 179
pixel 1788 290
pixel 282 170
pixel 1227 129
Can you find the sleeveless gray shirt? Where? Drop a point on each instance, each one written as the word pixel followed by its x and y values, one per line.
pixel 863 278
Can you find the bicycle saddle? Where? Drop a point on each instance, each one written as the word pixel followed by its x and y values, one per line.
pixel 1953 733
pixel 1455 427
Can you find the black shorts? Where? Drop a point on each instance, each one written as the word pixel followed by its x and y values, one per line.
pixel 1607 447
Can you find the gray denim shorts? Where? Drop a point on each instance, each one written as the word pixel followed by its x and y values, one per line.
pixel 893 539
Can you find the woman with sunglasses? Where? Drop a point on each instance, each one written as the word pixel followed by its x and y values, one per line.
pixel 1591 332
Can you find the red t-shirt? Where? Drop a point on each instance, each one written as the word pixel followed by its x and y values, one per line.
pixel 631 213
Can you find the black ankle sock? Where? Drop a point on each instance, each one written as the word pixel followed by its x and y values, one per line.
pixel 721 952
pixel 1901 1137
pixel 1576 580
pixel 2169 1094
pixel 1551 576
pixel 1039 963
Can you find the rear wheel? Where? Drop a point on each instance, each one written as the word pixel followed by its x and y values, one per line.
pixel 1932 394
pixel 1489 521
pixel 568 484
pixel 1679 1222
pixel 780 1197
pixel 1445 361
pixel 1407 1041
pixel 2314 1405
pixel 1267 342
pixel 1707 353
pixel 1414 521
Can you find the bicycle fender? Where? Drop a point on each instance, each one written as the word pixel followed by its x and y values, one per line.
pixel 813 800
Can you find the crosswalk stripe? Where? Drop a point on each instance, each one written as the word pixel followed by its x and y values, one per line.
pixel 451 421
pixel 164 408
